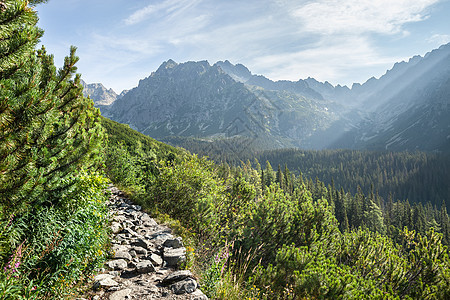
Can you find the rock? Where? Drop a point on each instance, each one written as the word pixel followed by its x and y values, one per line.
pixel 142 282
pixel 185 286
pixel 160 238
pixel 128 224
pixel 197 295
pixel 145 217
pixel 140 242
pixel 133 253
pixel 151 223
pixel 114 273
pixel 105 283
pixel 145 267
pixel 147 221
pixel 119 219
pixel 121 295
pixel 118 264
pixel 136 207
pixel 142 230
pixel 122 254
pixel 124 205
pixel 117 248
pixel 173 243
pixel 100 277
pixel 140 250
pixel 176 276
pixel 116 227
pixel 122 239
pixel 156 259
pixel 173 257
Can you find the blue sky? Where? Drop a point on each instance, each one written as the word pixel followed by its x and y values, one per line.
pixel 341 41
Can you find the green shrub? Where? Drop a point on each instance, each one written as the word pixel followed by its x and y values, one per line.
pixel 189 191
pixel 58 246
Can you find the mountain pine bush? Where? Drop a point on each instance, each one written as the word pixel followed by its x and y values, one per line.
pixel 52 204
pixel 48 129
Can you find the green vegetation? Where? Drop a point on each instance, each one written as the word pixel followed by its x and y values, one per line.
pixel 130 156
pixel 52 211
pixel 251 231
pixel 419 177
pixel 265 234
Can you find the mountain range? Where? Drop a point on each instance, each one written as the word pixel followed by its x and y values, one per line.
pixel 408 108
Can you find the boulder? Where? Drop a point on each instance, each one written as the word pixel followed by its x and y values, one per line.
pixel 145 266
pixel 156 259
pixel 198 295
pixel 122 254
pixel 140 250
pixel 105 282
pixel 116 227
pixel 173 257
pixel 140 242
pixel 176 276
pixel 118 264
pixel 186 286
pixel 173 243
pixel 160 238
pixel 100 277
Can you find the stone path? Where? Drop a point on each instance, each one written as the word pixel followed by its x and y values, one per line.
pixel 146 257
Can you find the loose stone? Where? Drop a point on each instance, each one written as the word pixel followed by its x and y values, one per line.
pixel 185 286
pixel 120 295
pixel 122 254
pixel 119 264
pixel 156 259
pixel 144 267
pixel 176 276
pixel 173 257
pixel 173 243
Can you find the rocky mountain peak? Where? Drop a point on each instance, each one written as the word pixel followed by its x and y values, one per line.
pixel 238 72
pixel 99 93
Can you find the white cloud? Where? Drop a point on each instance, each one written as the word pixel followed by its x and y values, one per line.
pixel 167 7
pixel 358 16
pixel 439 39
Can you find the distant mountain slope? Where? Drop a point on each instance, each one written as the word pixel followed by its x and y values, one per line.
pixel 405 109
pixel 242 74
pixel 195 99
pixel 409 107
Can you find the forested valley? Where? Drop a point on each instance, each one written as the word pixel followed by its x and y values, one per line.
pixel 290 236
pixel 281 224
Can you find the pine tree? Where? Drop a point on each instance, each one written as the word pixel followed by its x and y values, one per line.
pixel 418 217
pixel 279 177
pixel 340 211
pixel 445 224
pixel 48 130
pixel 287 179
pixel 269 174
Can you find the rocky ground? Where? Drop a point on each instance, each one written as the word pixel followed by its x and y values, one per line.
pixel 146 259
